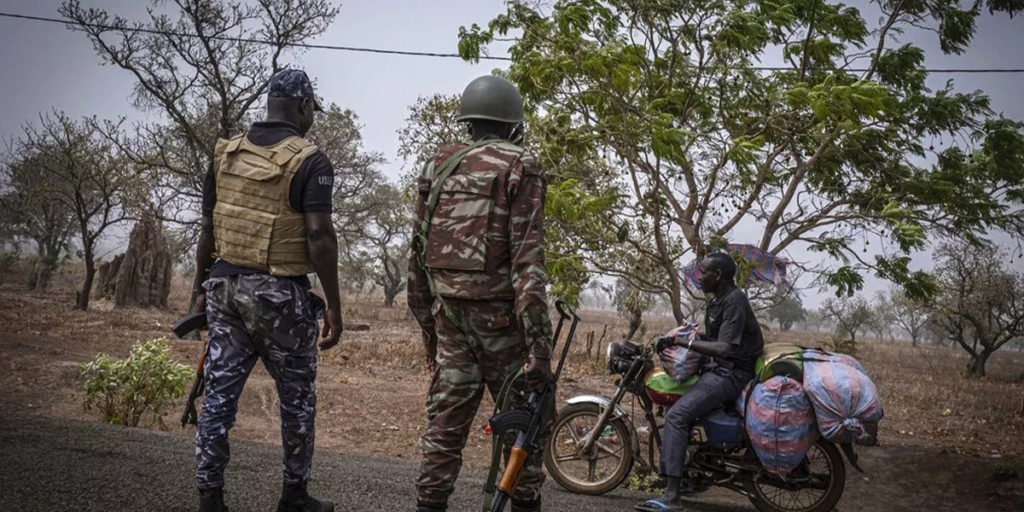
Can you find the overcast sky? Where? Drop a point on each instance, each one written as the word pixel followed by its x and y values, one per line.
pixel 45 66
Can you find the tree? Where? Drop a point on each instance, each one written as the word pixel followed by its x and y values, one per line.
pixel 631 302
pixel 430 125
pixel 356 171
pixel 909 314
pixel 202 68
pixel 981 306
pixel 787 312
pixel 381 244
pixel 82 171
pixel 836 143
pixel 882 316
pixel 850 314
pixel 28 214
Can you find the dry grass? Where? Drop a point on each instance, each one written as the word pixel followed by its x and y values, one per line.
pixel 928 403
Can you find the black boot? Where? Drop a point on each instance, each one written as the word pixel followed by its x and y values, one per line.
pixel 431 507
pixel 294 498
pixel 212 500
pixel 526 506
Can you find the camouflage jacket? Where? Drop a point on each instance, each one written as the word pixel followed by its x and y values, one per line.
pixel 486 237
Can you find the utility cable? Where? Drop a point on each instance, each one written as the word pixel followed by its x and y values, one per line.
pixel 144 30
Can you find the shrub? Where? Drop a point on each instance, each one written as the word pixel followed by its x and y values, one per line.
pixel 122 390
pixel 644 481
pixel 843 345
pixel 1004 471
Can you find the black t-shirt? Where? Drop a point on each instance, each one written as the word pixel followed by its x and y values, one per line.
pixel 730 318
pixel 310 188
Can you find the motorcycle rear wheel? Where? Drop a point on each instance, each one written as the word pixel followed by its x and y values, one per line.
pixel 825 463
pixel 598 472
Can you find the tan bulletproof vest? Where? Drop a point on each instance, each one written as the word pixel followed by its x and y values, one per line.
pixel 254 224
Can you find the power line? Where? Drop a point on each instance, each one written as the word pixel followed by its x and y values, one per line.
pixel 144 30
pixel 386 51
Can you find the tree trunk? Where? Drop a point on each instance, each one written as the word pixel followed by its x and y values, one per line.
pixel 90 273
pixel 42 269
pixel 977 366
pixel 389 296
pixel 635 319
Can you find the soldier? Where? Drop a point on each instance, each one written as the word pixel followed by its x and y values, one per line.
pixel 267 220
pixel 477 283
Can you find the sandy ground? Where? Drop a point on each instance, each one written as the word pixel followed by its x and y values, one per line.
pixel 943 440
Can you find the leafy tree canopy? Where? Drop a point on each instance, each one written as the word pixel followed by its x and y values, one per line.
pixel 658 108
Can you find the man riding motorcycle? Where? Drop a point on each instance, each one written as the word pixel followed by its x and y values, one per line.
pixel 733 341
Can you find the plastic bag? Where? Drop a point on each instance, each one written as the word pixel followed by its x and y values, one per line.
pixel 780 424
pixel 676 360
pixel 844 398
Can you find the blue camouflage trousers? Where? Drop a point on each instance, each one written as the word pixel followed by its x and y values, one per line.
pixel 258 317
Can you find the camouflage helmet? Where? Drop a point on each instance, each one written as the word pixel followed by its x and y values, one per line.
pixel 493 98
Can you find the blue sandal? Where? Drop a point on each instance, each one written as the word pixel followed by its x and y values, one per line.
pixel 658 506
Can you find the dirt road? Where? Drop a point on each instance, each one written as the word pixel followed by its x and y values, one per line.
pixel 51 464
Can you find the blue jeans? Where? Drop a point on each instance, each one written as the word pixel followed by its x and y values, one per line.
pixel 715 387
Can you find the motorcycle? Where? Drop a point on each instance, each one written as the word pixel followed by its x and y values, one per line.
pixel 595 443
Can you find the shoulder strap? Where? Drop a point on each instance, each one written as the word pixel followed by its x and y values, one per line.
pixel 441 174
pixel 233 143
pixel 291 147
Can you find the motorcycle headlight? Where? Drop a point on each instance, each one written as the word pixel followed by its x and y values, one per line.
pixel 612 356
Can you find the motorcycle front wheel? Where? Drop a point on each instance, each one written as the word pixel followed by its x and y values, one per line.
pixel 604 468
pixel 814 487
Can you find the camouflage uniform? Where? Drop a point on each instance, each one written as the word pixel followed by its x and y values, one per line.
pixel 483 302
pixel 273 319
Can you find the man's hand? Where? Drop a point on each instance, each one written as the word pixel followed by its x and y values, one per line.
pixel 538 372
pixel 332 328
pixel 430 350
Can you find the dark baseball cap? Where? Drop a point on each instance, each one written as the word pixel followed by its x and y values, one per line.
pixel 293 83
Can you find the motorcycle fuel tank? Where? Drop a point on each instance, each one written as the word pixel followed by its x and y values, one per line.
pixel 663 390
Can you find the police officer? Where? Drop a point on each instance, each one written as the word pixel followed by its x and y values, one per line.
pixel 477 283
pixel 267 223
pixel 733 340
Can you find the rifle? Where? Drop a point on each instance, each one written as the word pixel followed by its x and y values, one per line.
pixel 527 422
pixel 186 325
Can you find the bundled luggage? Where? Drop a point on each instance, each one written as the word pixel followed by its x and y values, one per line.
pixel 845 400
pixel 796 394
pixel 779 422
pixel 815 355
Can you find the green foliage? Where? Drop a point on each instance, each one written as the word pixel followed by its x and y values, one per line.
pixel 787 312
pixel 658 102
pixel 843 345
pixel 643 481
pixel 851 315
pixel 122 390
pixel 573 212
pixel 1005 471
